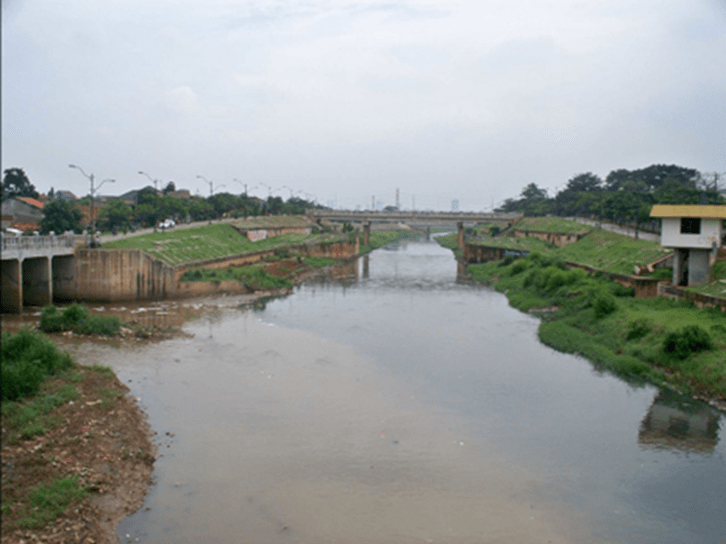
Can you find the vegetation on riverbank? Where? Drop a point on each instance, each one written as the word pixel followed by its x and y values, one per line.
pixel 657 339
pixel 255 277
pixel 201 243
pixel 61 425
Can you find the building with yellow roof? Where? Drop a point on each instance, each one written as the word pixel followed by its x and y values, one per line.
pixel 695 233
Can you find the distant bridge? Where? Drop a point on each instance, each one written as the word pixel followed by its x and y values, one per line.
pixel 413 217
pixel 30 266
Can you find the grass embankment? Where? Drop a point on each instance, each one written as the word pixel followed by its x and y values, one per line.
pixel 201 243
pixel 255 277
pixel 45 420
pixel 659 340
pixel 552 224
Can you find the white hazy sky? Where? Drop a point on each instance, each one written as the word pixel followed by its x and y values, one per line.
pixel 346 100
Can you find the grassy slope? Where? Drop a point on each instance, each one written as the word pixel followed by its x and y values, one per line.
pixel 200 243
pixel 612 252
pixel 551 224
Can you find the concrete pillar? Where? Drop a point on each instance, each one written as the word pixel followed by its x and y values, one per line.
pixel 366 266
pixel 428 233
pixel 699 270
pixel 366 233
pixel 37 282
pixel 460 234
pixel 12 287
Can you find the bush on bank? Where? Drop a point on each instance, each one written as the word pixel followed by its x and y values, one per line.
pixel 27 360
pixel 657 339
pixel 78 319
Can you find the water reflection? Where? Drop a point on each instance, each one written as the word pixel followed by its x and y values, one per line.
pixel 676 422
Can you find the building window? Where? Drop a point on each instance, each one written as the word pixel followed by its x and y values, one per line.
pixel 690 225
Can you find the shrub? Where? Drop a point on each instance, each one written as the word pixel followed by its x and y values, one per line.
pixel 519 266
pixel 77 318
pixel 604 304
pixel 27 359
pixel 691 339
pixel 507 260
pixel 638 329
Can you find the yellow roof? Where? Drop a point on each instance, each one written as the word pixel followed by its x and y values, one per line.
pixel 669 210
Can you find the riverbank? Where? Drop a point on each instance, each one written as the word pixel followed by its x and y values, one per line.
pixel 669 343
pixel 77 457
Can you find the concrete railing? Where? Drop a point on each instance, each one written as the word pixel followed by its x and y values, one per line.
pixel 21 247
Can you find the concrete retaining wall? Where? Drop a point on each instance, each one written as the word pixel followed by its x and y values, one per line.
pixel 100 275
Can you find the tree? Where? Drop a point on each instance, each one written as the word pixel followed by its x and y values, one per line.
pixel 115 215
pixel 60 216
pixel 532 192
pixel 16 183
pixel 170 188
pixel 584 182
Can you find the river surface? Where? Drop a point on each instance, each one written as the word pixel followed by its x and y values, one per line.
pixel 399 404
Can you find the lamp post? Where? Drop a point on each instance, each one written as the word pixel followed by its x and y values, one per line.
pixel 154 181
pixel 91 178
pixel 211 188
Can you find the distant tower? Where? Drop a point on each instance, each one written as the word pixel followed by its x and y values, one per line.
pixel 455 205
pixel 398 200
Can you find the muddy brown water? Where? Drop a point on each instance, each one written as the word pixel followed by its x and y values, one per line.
pixel 399 404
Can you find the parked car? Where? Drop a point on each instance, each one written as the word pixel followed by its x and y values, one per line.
pixel 167 224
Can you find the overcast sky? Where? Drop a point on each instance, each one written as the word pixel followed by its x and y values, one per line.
pixel 347 100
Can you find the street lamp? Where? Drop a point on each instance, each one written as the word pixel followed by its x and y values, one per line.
pixel 91 178
pixel 211 188
pixel 154 181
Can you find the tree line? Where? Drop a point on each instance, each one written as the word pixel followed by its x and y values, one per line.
pixel 624 196
pixel 150 207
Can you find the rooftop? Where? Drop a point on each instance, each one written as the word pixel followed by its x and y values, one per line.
pixel 671 210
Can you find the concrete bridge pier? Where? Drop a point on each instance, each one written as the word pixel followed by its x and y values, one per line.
pixel 37 281
pixel 460 234
pixel 12 286
pixel 366 233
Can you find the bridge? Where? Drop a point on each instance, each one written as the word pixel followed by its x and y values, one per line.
pixel 31 265
pixel 414 218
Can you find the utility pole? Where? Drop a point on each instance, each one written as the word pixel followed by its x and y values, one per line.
pixel 398 199
pixel 93 190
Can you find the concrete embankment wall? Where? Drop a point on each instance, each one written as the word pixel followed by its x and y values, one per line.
pixel 557 239
pixel 101 275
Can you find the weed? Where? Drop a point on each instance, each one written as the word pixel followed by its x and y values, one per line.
pixel 604 304
pixel 108 396
pixel 27 359
pixel 691 339
pixel 103 370
pixel 638 329
pixel 77 318
pixel 48 501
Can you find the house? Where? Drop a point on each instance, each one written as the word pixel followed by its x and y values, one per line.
pixel 22 212
pixel 695 233
pixel 65 195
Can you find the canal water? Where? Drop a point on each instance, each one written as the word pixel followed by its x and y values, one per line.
pixel 400 404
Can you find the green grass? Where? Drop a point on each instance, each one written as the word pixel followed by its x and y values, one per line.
pixel 77 318
pixel 552 224
pixel 255 277
pixel 612 252
pixel 24 419
pixel 717 283
pixel 320 262
pixel 201 243
pixel 48 501
pixel 28 359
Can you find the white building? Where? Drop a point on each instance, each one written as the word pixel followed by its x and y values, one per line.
pixel 695 234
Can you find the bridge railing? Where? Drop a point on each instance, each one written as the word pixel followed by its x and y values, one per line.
pixel 18 243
